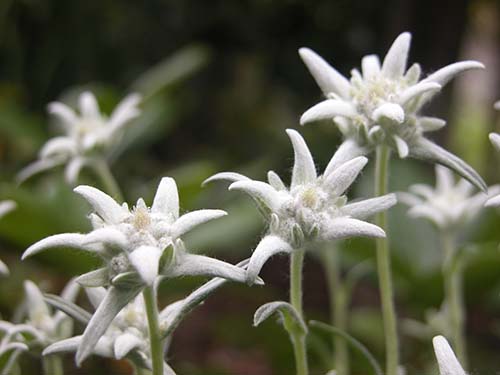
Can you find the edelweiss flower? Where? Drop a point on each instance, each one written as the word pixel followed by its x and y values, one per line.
pixel 5 207
pixel 448 205
pixel 313 208
pixel 41 327
pixel 381 105
pixel 88 135
pixel 137 246
pixel 447 361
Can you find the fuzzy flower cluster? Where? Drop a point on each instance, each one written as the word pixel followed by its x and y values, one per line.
pixel 88 135
pixel 449 205
pixel 380 105
pixel 314 208
pixel 40 328
pixel 138 246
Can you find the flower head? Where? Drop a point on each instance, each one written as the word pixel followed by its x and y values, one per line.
pixel 449 205
pixel 138 246
pixel 313 208
pixel 88 135
pixel 5 207
pixel 381 104
pixel 447 361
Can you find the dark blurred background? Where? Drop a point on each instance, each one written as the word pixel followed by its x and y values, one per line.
pixel 222 81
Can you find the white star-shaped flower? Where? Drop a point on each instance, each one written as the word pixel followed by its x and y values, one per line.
pixel 381 104
pixel 313 208
pixel 449 205
pixel 138 247
pixel 88 135
pixel 447 361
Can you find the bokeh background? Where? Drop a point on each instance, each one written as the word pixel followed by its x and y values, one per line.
pixel 222 81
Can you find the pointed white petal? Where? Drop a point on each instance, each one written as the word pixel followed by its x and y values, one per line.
pixel 370 66
pixel 423 190
pixel 401 146
pixel 389 111
pixel 4 270
pixel 327 78
pixel 73 169
pixel 327 110
pixel 349 149
pixel 369 207
pixel 413 74
pixel 304 170
pixel 105 206
pixel 430 124
pixel 146 260
pixel 429 213
pixel 72 240
pixel 166 200
pixel 57 146
pixel 493 202
pixel 275 181
pixel 428 151
pixel 226 176
pixel 445 180
pixel 102 348
pixel 88 105
pixel 65 113
pixel 200 265
pixel 415 91
pixel 125 343
pixel 347 227
pixel 341 178
pixel 443 75
pixel 409 199
pixel 394 64
pixel 35 301
pixel 497 105
pixel 495 140
pixel 95 296
pixel 192 219
pixel 37 167
pixel 111 305
pixel 270 245
pixel 261 191
pixel 108 236
pixel 447 361
pixel 125 111
pixel 6 207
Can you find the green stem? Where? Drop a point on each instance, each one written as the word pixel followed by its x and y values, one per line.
pixel 52 365
pixel 338 308
pixel 108 180
pixel 384 266
pixel 298 338
pixel 149 295
pixel 452 274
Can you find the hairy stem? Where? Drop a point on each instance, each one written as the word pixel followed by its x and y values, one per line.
pixel 102 170
pixel 149 295
pixel 298 338
pixel 52 365
pixel 384 266
pixel 338 308
pixel 452 274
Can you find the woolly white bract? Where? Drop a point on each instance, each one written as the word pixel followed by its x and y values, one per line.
pixel 380 105
pixel 449 205
pixel 137 247
pixel 5 207
pixel 447 361
pixel 313 208
pixel 88 135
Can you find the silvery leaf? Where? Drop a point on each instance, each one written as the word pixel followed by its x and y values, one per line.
pixel 124 344
pixel 194 218
pixel 226 176
pixel 348 150
pixel 92 279
pixel 270 245
pixel 260 191
pixel 327 110
pixel 394 64
pixel 105 206
pixel 166 200
pixel 347 227
pixel 146 260
pixel 69 308
pixel 369 207
pixel 339 180
pixel 304 170
pixel 73 240
pixel 447 361
pixel 291 318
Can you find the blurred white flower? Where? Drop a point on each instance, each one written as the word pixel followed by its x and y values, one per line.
pixel 449 205
pixel 313 208
pixel 88 135
pixel 5 207
pixel 380 105
pixel 447 361
pixel 495 141
pixel 137 247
